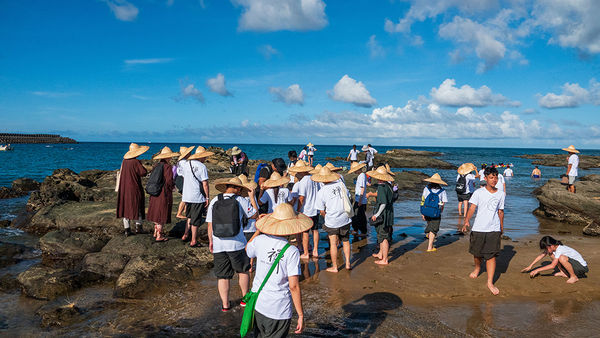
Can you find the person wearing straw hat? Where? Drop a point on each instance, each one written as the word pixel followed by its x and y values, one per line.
pixel 330 203
pixel 369 156
pixel 249 223
pixel 293 157
pixel 273 311
pixel 184 153
pixel 130 199
pixel 572 166
pixel 238 161
pixel 359 220
pixel 384 208
pixel 159 207
pixel 229 256
pixel 465 186
pixel 336 170
pixel 195 190
pixel 436 202
pixel 304 194
pixel 274 192
pixel 486 233
pixel 310 152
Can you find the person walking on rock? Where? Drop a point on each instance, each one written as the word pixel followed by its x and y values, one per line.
pixel 353 155
pixel 130 199
pixel 160 207
pixel 572 166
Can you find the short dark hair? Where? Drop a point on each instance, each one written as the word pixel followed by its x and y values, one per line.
pixel 434 186
pixel 490 171
pixel 547 241
pixel 292 153
pixel 369 144
pixel 536 167
pixel 354 146
pixel 279 165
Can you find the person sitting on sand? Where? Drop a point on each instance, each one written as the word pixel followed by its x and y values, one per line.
pixel 159 207
pixel 488 226
pixel 130 199
pixel 304 195
pixel 353 155
pixel 433 223
pixel 568 261
pixel 536 173
pixel 330 202
pixel 384 208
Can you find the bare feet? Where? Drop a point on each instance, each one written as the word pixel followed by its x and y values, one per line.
pixel 494 289
pixel 180 216
pixel 332 269
pixel 348 267
pixel 474 274
pixel 561 274
pixel 377 255
pixel 304 256
pixel 572 280
pixel 382 262
pixel 315 253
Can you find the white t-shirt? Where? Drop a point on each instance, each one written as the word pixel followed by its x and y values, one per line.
pixel 329 198
pixel 292 178
pixel 302 154
pixel 275 299
pixel 308 189
pixel 354 154
pixel 442 196
pixel 488 204
pixel 574 162
pixel 311 151
pixel 481 176
pixel 563 250
pixel 508 172
pixel 251 224
pixel 237 242
pixel 283 196
pixel 501 182
pixel 470 178
pixel 191 184
pixel 361 182
pixel 373 150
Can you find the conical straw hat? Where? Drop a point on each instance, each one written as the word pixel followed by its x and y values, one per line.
pixel 381 174
pixel 316 170
pixel 247 183
pixel 276 180
pixel 435 179
pixel 300 167
pixel 184 151
pixel 325 175
pixel 571 149
pixel 223 183
pixel 283 222
pixel 310 144
pixel 354 166
pixel 235 151
pixel 201 153
pixel 332 167
pixel 135 150
pixel 389 170
pixel 466 168
pixel 165 153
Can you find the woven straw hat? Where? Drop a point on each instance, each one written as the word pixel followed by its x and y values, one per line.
pixel 381 174
pixel 201 153
pixel 466 168
pixel 332 167
pixel 165 153
pixel 283 222
pixel 247 183
pixel 223 183
pixel 325 175
pixel 435 179
pixel 135 150
pixel 364 148
pixel 354 166
pixel 300 167
pixel 276 180
pixel 184 152
pixel 571 149
pixel 310 144
pixel 316 170
pixel 389 170
pixel 236 151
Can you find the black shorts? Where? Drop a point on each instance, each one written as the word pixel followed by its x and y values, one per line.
pixel 464 197
pixel 384 232
pixel 228 263
pixel 485 245
pixel 343 232
pixel 433 225
pixel 272 328
pixel 195 212
pixel 579 269
pixel 316 225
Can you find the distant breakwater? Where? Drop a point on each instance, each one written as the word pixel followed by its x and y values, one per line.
pixel 34 138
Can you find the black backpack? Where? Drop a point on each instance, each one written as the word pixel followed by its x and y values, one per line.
pixel 156 181
pixel 461 184
pixel 226 217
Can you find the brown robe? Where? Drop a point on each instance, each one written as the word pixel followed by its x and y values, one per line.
pixel 160 207
pixel 131 201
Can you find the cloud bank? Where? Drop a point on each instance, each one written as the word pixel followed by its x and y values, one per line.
pixel 573 95
pixel 449 95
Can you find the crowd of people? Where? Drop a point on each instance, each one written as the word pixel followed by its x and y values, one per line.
pixel 252 219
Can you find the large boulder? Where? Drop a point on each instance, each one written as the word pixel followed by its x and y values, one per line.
pixel 9 193
pixel 44 282
pixel 25 184
pixel 102 265
pixel 13 253
pixel 67 248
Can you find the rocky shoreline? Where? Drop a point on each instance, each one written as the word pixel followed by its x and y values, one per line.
pixel 405 158
pixel 553 160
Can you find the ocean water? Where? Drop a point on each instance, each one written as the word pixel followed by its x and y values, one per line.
pixel 39 160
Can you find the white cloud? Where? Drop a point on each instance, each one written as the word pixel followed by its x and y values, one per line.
pixel 290 95
pixel 267 51
pixel 54 95
pixel 123 10
pixel 449 95
pixel 217 85
pixel 375 48
pixel 573 95
pixel 349 90
pixel 189 91
pixel 293 15
pixel 133 62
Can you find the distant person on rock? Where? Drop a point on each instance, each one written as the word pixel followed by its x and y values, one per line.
pixel 369 156
pixel 568 261
pixel 572 165
pixel 353 155
pixel 310 152
pixel 302 155
pixel 238 161
pixel 536 173
pixel 481 175
pixel 508 172
pixel 160 206
pixel 130 199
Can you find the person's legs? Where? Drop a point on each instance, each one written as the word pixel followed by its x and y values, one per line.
pixel 564 261
pixel 460 204
pixel 333 251
pixel 181 210
pixel 466 207
pixel 384 248
pixel 244 281
pixel 315 251
pixel 223 286
pixel 346 248
pixel 431 237
pixel 490 266
pixel 186 233
pixel 304 245
pixel 194 232
pixel 477 269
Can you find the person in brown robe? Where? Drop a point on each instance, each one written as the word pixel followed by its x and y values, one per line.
pixel 130 200
pixel 160 207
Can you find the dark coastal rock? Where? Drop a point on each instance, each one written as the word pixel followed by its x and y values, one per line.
pixel 59 315
pixel 405 158
pixel 4 223
pixel 9 193
pixel 12 253
pixel 592 229
pixel 100 265
pixel 67 248
pixel 25 184
pixel 43 282
pixel 582 208
pixel 560 160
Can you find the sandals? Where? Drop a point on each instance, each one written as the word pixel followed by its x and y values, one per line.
pixel 197 245
pixel 164 239
pixel 226 309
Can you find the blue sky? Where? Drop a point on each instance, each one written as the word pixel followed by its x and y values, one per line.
pixel 449 72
